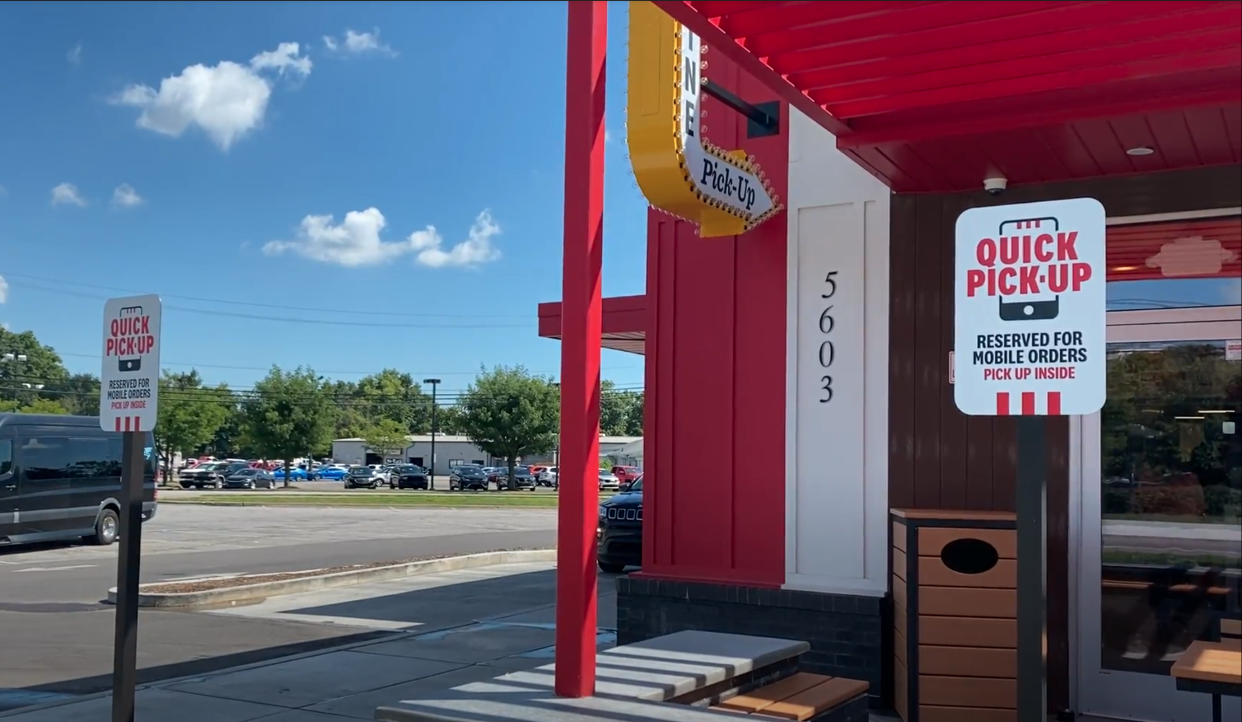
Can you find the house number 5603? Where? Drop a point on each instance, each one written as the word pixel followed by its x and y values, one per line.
pixel 827 351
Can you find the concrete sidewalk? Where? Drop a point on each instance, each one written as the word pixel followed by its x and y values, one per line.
pixel 348 683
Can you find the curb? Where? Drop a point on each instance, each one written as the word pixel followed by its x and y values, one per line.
pixel 262 590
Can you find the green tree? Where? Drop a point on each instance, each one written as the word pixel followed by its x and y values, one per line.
pixel 78 393
pixel 391 394
pixel 620 412
pixel 36 406
pixel 449 421
pixel 509 413
pixel 387 437
pixel 189 414
pixel 289 414
pixel 28 368
pixel 634 420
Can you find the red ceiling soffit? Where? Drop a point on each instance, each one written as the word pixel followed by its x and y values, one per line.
pixel 879 74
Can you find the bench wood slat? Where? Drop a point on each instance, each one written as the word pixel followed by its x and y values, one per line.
pixel 758 699
pixel 822 697
pixel 1210 662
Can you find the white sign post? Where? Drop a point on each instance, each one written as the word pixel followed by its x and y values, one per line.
pixel 1029 341
pixel 128 403
pixel 129 380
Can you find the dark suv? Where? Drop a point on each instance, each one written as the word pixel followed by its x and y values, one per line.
pixel 522 478
pixel 210 475
pixel 619 534
pixel 408 476
pixel 470 477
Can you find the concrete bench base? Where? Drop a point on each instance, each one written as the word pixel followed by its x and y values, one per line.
pixel 667 679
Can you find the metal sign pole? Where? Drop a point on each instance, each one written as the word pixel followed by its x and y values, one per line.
pixel 1031 506
pixel 125 646
pixel 1030 342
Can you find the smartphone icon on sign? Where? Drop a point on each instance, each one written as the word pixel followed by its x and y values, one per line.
pixel 1029 308
pixel 134 363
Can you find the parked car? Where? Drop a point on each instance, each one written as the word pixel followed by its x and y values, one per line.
pixel 297 473
pixel 619 532
pixel 331 473
pixel 468 477
pixel 522 479
pixel 608 481
pixel 408 476
pixel 548 477
pixel 250 478
pixel 210 475
pixel 626 473
pixel 362 477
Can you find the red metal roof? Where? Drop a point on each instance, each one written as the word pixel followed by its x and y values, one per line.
pixel 624 323
pixel 932 96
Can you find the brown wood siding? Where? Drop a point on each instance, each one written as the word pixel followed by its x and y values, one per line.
pixel 938 457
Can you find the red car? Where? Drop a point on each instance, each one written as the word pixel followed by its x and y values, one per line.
pixel 626 474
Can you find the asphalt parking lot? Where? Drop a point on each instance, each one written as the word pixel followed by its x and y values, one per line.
pixel 58 633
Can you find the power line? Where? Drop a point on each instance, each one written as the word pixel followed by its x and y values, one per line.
pixel 280 319
pixel 473 372
pixel 44 385
pixel 252 304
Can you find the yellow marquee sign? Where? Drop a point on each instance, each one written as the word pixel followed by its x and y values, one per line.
pixel 678 170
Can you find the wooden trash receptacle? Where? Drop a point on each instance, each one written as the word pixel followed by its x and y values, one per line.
pixel 955 611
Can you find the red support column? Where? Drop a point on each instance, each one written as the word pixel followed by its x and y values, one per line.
pixel 580 349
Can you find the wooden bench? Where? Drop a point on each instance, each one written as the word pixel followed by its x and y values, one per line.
pixel 1230 628
pixel 1213 668
pixel 804 697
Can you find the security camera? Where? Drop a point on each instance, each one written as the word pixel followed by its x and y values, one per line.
pixel 995 185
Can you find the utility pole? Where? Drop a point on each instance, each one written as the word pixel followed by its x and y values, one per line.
pixel 431 477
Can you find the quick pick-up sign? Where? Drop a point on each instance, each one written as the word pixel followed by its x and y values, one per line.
pixel 1029 309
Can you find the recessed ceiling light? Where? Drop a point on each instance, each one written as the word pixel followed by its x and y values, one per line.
pixel 1140 150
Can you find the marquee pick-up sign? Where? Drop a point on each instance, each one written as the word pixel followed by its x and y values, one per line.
pixel 679 171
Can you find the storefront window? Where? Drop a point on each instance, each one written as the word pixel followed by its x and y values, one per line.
pixel 1171 498
pixel 1175 264
pixel 1167 293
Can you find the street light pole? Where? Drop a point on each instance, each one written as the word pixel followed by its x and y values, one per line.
pixel 431 477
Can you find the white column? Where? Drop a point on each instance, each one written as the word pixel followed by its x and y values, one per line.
pixel 836 449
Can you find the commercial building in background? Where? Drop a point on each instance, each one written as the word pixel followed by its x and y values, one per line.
pixel 799 368
pixel 450 451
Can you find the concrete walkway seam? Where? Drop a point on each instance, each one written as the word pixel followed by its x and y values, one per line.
pixel 263 590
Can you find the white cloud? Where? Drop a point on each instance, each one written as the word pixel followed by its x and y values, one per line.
pixel 4 290
pixel 356 43
pixel 67 194
pixel 4 191
pixel 226 101
pixel 124 196
pixel 607 136
pixel 475 250
pixel 286 58
pixel 74 56
pixel 356 242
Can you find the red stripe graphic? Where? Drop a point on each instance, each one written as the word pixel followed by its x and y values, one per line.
pixel 137 423
pixel 117 423
pixel 1027 404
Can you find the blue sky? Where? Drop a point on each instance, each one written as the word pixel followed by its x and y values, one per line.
pixel 133 160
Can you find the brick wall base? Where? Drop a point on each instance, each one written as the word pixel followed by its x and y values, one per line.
pixel 847 634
